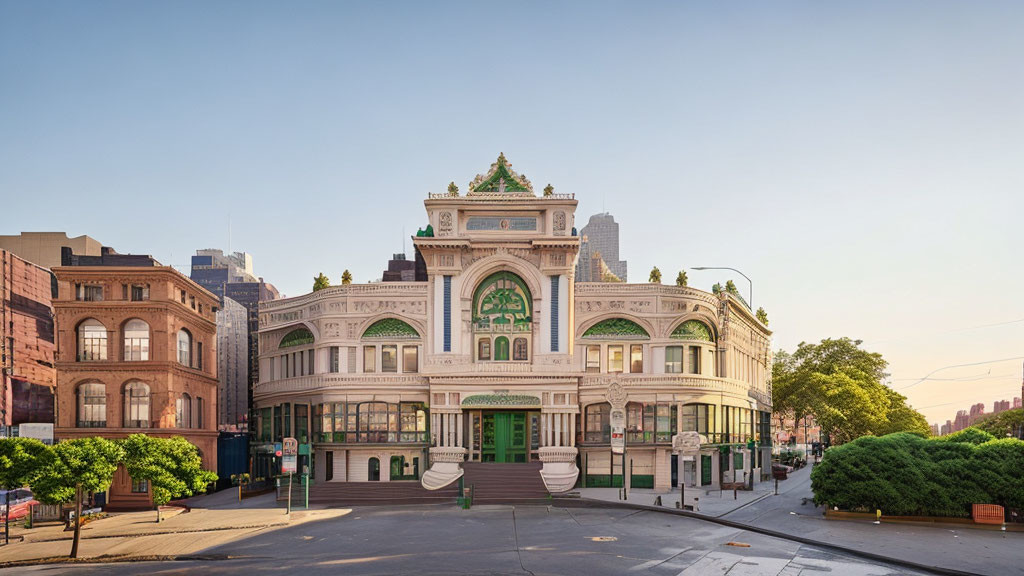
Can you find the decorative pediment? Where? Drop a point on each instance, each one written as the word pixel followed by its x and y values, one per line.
pixel 501 179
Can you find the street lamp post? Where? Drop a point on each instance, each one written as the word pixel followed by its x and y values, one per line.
pixel 749 281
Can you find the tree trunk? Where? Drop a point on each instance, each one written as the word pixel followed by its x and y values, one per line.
pixel 78 520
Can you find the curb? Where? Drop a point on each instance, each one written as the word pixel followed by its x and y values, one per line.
pixel 54 560
pixel 591 503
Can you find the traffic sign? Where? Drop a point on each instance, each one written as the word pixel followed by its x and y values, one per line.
pixel 618 425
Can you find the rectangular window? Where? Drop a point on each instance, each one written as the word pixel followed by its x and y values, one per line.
pixel 140 486
pixel 192 302
pixel 302 423
pixel 593 358
pixel 200 411
pixel 389 358
pixel 410 359
pixel 636 358
pixel 286 411
pixel 615 358
pixel 88 293
pixel 369 358
pixel 182 296
pixel 694 359
pixel 351 359
pixel 199 355
pixel 310 362
pixel 673 359
pixel 335 359
pixel 266 425
pixel 278 424
pixel 666 422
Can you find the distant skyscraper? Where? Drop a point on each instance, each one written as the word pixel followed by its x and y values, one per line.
pixel 935 429
pixel 231 277
pixel 233 366
pixel 1000 406
pixel 1017 403
pixel 212 269
pixel 600 236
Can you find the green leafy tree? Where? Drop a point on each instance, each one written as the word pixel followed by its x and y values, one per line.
pixel 971 435
pixel 840 384
pixel 78 466
pixel 1008 423
pixel 730 287
pixel 716 288
pixel 762 316
pixel 320 282
pixel 21 459
pixel 346 278
pixel 681 279
pixel 172 467
pixel 655 276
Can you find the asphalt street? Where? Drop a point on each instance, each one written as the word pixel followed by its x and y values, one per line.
pixel 514 540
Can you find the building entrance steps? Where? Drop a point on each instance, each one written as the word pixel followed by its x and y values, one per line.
pixel 379 493
pixel 504 483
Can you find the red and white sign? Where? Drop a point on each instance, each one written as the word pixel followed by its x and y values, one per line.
pixel 289 461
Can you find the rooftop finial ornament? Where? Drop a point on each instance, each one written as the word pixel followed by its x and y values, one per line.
pixel 453 190
pixel 549 190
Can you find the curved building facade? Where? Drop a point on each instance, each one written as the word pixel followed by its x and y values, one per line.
pixel 501 357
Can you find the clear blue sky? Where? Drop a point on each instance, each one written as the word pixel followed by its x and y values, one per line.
pixel 862 162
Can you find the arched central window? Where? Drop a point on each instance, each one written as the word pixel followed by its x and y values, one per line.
pixel 136 340
pixel 92 340
pixel 136 405
pixel 184 347
pixel 92 405
pixel 502 318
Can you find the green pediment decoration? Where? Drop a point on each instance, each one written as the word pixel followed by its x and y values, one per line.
pixel 693 330
pixel 501 401
pixel 618 328
pixel 391 329
pixel 297 337
pixel 502 303
pixel 501 178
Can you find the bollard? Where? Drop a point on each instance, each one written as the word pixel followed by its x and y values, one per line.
pixel 776 486
pixel 657 501
pixel 734 491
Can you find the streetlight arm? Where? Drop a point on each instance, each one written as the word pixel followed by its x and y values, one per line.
pixel 749 281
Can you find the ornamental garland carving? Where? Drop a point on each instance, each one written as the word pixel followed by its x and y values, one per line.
pixel 445 224
pixel 526 254
pixel 559 223
pixel 373 307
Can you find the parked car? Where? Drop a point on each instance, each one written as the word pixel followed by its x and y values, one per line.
pixel 20 501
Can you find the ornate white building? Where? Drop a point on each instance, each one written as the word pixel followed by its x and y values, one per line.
pixel 500 357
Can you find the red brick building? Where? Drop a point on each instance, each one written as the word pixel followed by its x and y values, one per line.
pixel 27 374
pixel 135 353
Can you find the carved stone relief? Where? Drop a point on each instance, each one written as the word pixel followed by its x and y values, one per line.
pixel 559 223
pixel 445 224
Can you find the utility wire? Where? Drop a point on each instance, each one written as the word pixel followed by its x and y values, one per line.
pixel 928 375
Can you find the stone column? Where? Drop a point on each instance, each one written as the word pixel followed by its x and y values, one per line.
pixel 558 429
pixel 572 429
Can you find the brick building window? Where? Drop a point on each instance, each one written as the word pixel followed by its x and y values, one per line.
pixel 136 340
pixel 92 405
pixel 92 340
pixel 136 405
pixel 184 347
pixel 88 292
pixel 183 411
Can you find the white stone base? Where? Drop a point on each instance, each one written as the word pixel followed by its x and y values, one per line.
pixel 559 472
pixel 445 467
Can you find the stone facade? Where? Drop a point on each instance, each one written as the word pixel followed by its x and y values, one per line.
pixel 136 352
pixel 500 337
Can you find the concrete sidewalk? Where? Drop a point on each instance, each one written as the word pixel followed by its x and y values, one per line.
pixel 713 503
pixel 212 520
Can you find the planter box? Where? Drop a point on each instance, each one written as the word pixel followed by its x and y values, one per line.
pixel 988 514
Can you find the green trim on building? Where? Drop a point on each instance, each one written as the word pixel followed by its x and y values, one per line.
pixel 500 171
pixel 297 337
pixel 501 401
pixel 617 328
pixel 391 329
pixel 693 330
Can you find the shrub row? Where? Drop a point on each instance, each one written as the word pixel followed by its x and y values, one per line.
pixel 905 475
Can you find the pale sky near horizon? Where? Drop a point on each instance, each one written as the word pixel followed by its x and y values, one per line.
pixel 861 162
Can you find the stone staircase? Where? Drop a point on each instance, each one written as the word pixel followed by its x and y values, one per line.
pixel 502 483
pixel 379 493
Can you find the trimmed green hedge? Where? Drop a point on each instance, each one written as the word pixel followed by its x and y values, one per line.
pixel 905 475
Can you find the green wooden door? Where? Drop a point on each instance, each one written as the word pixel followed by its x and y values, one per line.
pixel 505 437
pixel 705 469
